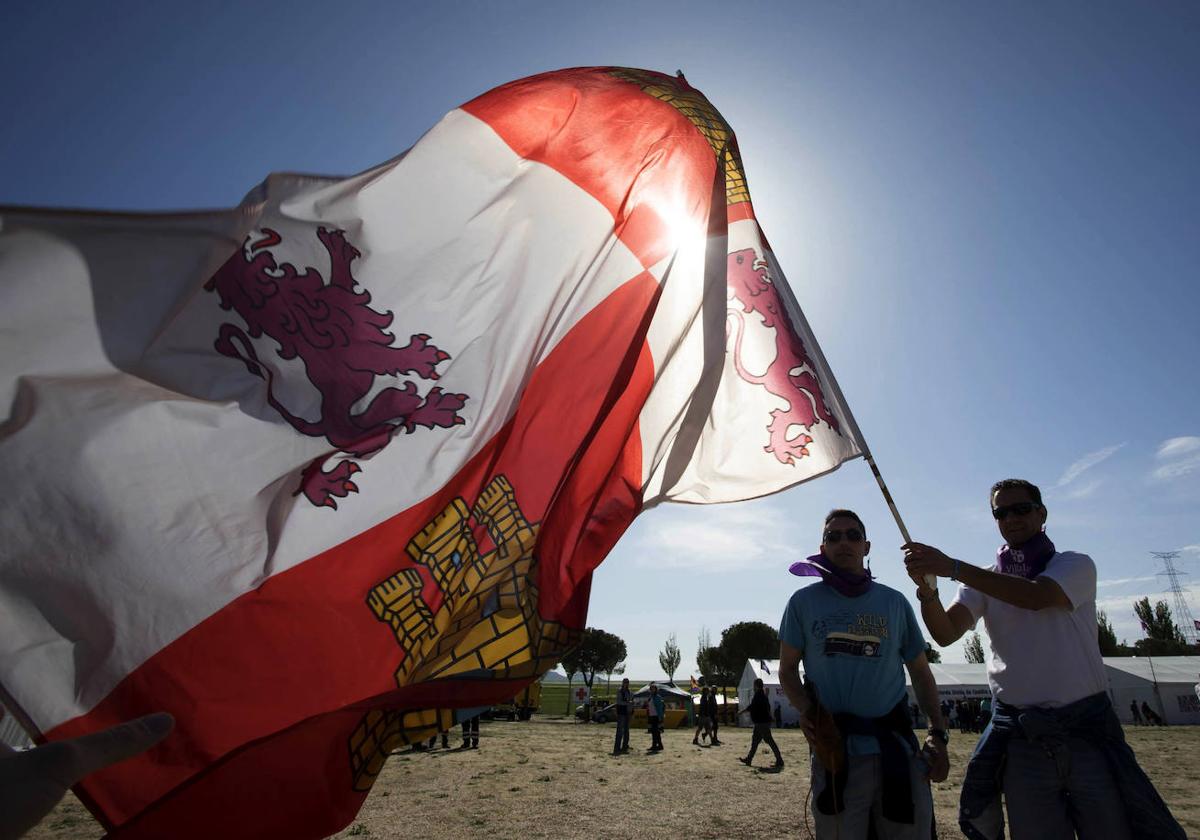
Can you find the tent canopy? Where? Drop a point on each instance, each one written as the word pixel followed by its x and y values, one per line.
pixel 663 689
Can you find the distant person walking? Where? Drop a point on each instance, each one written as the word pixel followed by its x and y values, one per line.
pixel 1137 715
pixel 1151 716
pixel 624 707
pixel 470 733
pixel 717 710
pixel 656 709
pixel 705 715
pixel 760 715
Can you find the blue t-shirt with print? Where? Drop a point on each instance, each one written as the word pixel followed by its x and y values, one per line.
pixel 854 649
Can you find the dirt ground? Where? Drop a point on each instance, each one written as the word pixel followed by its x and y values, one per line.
pixel 554 778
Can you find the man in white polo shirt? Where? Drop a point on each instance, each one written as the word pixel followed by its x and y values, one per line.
pixel 1055 745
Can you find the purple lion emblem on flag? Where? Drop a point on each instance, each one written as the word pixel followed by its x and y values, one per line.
pixel 343 344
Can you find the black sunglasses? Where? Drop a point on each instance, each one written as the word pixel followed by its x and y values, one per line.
pixel 1019 509
pixel 851 535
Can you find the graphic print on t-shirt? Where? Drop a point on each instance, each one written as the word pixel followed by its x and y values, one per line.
pixel 851 633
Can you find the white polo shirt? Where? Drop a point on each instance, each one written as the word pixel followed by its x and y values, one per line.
pixel 1049 657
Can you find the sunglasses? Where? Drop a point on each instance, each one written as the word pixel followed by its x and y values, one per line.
pixel 851 535
pixel 1019 509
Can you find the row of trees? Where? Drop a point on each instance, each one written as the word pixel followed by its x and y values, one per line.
pixel 1163 636
pixel 601 652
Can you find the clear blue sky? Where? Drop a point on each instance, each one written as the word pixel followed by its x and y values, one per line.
pixel 990 214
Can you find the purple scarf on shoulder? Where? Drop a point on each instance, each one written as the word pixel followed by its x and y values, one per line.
pixel 1027 561
pixel 846 583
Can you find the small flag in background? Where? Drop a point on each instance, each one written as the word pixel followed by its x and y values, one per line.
pixel 325 472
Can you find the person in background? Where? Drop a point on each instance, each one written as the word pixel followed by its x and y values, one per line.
pixel 624 708
pixel 1055 746
pixel 704 716
pixel 718 709
pixel 655 712
pixel 760 715
pixel 1137 715
pixel 470 733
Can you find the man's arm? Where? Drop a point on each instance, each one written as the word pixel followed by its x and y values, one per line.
pixel 1038 594
pixel 925 689
pixel 793 686
pixel 945 626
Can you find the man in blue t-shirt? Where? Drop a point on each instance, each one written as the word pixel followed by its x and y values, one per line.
pixel 855 637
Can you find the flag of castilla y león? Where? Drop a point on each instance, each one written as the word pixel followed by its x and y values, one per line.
pixel 323 473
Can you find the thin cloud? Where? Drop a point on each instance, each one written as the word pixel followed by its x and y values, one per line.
pixel 1087 462
pixel 1182 455
pixel 726 538
pixel 1123 581
pixel 1085 490
pixel 1176 446
pixel 1191 549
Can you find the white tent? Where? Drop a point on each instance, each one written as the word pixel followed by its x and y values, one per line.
pixel 768 671
pixel 955 682
pixel 1166 683
pixel 673 697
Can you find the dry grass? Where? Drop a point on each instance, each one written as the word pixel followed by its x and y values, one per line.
pixel 553 778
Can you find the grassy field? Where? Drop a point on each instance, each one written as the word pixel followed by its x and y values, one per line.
pixel 553 778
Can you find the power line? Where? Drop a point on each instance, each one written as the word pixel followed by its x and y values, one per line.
pixel 1183 615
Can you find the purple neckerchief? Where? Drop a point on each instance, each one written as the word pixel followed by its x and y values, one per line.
pixel 1029 560
pixel 847 583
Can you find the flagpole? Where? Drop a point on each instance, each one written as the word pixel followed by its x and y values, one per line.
pixel 930 580
pixel 824 372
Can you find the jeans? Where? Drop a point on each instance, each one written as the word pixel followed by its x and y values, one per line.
pixel 1056 789
pixel 655 733
pixel 864 803
pixel 621 743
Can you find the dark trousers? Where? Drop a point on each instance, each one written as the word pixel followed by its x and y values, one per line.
pixel 762 733
pixel 621 743
pixel 445 740
pixel 470 732
pixel 655 732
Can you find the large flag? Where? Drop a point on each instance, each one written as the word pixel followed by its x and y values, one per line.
pixel 325 473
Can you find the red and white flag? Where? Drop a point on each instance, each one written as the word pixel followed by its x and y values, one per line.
pixel 321 474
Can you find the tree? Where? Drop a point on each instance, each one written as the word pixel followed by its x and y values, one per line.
pixel 570 664
pixel 703 643
pixel 1106 635
pixel 598 652
pixel 716 667
pixel 973 648
pixel 1163 636
pixel 668 660
pixel 932 654
pixel 749 640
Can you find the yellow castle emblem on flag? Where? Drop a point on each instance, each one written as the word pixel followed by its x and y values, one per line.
pixel 487 624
